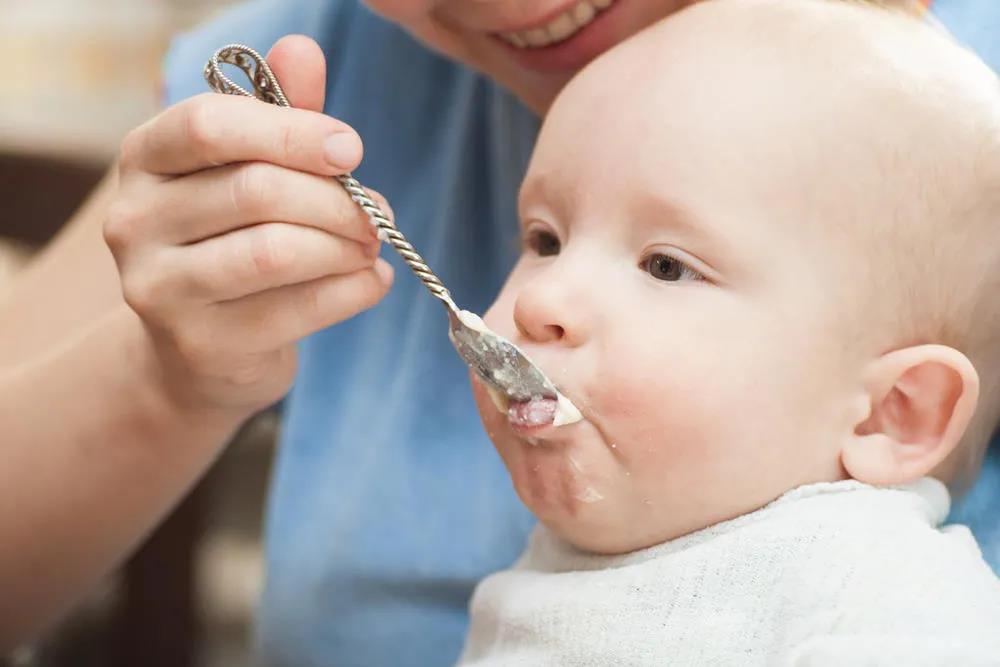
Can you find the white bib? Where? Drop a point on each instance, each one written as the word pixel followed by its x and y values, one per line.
pixel 828 574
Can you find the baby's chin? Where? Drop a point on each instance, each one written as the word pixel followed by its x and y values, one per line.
pixel 555 485
pixel 619 524
pixel 568 476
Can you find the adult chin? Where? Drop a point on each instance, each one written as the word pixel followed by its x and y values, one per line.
pixel 534 73
pixel 489 56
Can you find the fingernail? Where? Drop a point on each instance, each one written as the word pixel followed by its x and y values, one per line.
pixel 342 150
pixel 372 249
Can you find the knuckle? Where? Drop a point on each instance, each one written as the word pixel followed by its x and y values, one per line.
pixel 121 226
pixel 270 251
pixel 288 141
pixel 251 188
pixel 131 149
pixel 142 293
pixel 202 128
pixel 308 308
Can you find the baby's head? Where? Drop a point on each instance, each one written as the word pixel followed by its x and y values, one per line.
pixel 762 249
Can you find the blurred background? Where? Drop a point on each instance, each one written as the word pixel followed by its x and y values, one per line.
pixel 77 75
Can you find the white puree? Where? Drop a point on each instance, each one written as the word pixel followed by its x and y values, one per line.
pixel 589 494
pixel 566 412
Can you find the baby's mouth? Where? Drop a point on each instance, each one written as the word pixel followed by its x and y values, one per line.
pixel 536 413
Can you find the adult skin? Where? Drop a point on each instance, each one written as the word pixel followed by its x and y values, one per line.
pixel 123 373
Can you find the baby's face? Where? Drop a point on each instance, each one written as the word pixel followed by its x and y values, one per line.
pixel 680 285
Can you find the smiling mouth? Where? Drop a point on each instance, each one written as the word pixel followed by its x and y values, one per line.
pixel 559 29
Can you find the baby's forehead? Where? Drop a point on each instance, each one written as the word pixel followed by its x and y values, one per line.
pixel 756 48
pixel 822 99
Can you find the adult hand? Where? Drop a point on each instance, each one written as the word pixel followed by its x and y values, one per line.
pixel 232 239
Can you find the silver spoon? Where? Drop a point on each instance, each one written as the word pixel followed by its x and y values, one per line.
pixel 505 369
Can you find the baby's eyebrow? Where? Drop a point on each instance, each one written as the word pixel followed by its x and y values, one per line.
pixel 720 251
pixel 544 187
pixel 676 217
pixel 651 212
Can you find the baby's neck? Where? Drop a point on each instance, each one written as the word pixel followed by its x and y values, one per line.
pixel 930 492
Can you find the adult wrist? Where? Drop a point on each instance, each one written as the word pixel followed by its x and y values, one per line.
pixel 167 401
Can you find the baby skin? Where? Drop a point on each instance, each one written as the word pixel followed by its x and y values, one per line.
pixel 761 255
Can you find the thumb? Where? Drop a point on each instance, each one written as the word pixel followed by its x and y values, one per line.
pixel 300 66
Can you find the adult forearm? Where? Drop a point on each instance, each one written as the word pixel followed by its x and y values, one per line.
pixel 93 455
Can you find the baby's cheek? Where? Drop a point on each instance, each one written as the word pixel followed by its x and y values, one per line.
pixel 654 417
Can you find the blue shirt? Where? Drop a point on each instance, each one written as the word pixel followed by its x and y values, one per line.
pixel 388 503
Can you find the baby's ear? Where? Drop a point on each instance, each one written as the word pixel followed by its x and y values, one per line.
pixel 920 400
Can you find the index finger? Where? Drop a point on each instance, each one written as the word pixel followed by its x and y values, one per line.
pixel 212 129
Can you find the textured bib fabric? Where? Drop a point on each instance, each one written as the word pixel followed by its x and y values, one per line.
pixel 828 574
pixel 388 503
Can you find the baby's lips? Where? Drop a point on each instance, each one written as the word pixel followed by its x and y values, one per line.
pixel 534 413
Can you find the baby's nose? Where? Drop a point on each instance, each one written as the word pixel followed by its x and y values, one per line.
pixel 546 312
pixel 537 331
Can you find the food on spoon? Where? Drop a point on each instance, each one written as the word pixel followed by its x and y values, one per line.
pixel 539 410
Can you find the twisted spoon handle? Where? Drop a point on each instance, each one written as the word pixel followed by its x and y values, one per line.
pixel 267 89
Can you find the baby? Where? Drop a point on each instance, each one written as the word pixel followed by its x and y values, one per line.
pixel 762 256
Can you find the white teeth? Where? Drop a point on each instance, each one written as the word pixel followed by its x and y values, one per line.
pixel 562 27
pixel 558 29
pixel 516 40
pixel 584 13
pixel 537 37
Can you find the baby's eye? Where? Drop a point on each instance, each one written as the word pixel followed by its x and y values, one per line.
pixel 669 269
pixel 543 242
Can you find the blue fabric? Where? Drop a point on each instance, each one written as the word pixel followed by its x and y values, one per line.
pixel 975 23
pixel 388 503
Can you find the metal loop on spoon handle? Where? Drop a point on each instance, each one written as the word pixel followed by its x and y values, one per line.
pixel 267 89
